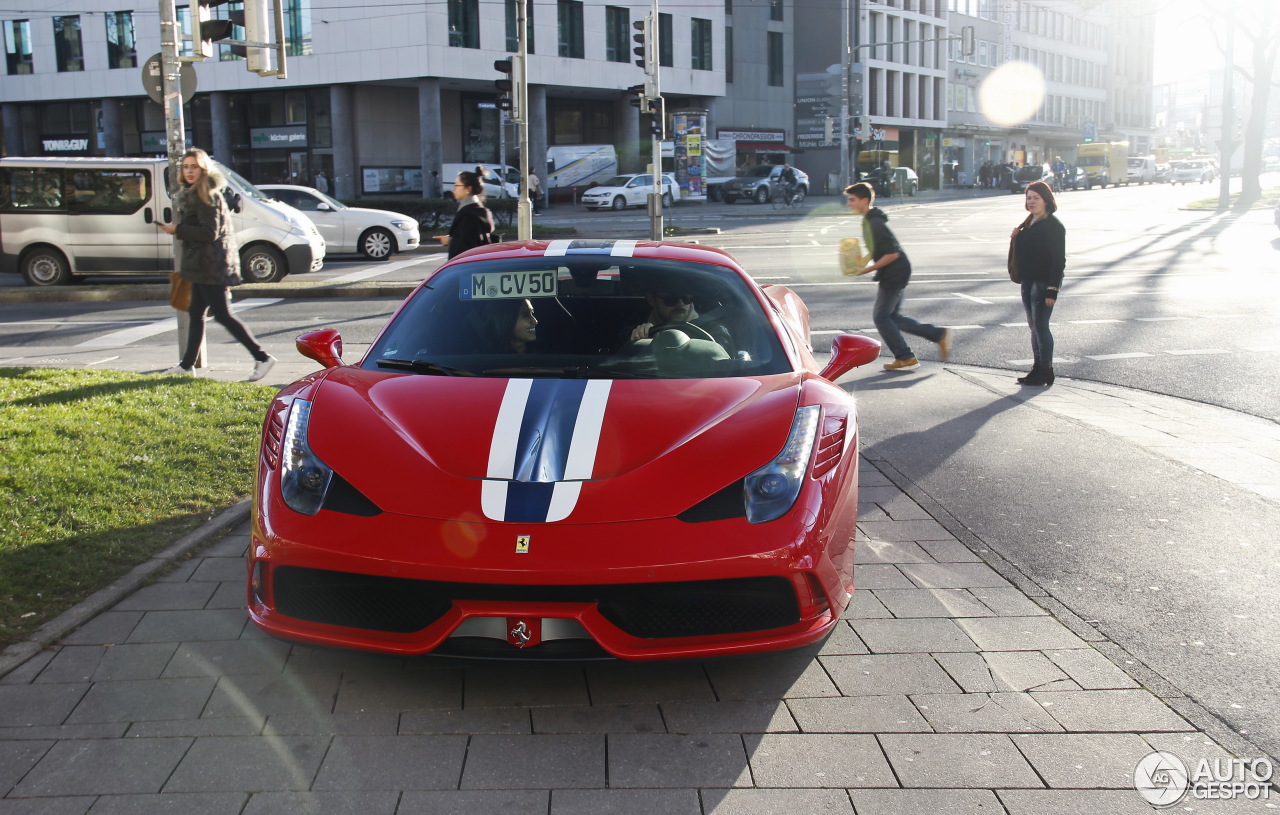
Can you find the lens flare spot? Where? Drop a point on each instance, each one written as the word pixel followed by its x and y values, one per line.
pixel 1012 93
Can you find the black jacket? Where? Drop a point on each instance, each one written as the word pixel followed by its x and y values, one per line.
pixel 472 227
pixel 206 245
pixel 883 242
pixel 1041 250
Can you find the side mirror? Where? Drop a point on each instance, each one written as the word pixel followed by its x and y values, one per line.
pixel 234 202
pixel 324 346
pixel 848 351
pixel 323 207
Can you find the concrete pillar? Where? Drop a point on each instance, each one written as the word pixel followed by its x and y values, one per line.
pixel 630 159
pixel 220 113
pixel 538 134
pixel 112 133
pixel 429 131
pixel 342 111
pixel 14 144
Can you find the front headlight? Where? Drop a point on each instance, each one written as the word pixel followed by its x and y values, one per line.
pixel 404 225
pixel 772 490
pixel 304 478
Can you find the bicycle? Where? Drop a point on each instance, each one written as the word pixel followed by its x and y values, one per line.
pixel 784 197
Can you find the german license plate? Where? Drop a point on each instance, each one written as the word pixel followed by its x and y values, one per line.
pixel 510 285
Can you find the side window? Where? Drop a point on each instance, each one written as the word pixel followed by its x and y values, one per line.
pixel 31 189
pixel 297 200
pixel 110 192
pixel 642 181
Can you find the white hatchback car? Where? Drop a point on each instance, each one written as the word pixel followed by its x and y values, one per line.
pixel 631 190
pixel 375 233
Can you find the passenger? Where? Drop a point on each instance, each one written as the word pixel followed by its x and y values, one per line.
pixel 509 327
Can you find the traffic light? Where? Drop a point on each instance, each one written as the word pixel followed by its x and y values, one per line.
pixel 507 86
pixel 654 117
pixel 206 29
pixel 643 27
pixel 637 95
pixel 253 20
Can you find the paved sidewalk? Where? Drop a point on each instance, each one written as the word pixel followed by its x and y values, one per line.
pixel 950 687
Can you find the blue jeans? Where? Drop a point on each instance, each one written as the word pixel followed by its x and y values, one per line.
pixel 890 322
pixel 1033 295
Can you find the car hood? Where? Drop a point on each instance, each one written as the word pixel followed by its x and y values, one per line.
pixel 380 215
pixel 577 450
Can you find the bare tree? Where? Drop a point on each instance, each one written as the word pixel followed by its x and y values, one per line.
pixel 1258 22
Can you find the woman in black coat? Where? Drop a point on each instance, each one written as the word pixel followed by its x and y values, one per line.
pixel 1040 249
pixel 206 255
pixel 473 223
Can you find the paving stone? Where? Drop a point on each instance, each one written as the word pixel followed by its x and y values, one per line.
pixel 472 802
pixel 1111 711
pixel 915 530
pixel 880 576
pixel 1008 602
pixel 103 767
pixel 196 728
pixel 107 628
pixel 970 672
pixel 1020 634
pixel 868 511
pixel 914 636
pixel 677 761
pixel 223 764
pixel 905 603
pixel 236 546
pixel 74 663
pixel 1084 760
pixel 126 661
pixel 818 760
pixel 220 569
pixel 180 572
pixel 77 805
pixel 228 658
pixel 525 685
pixel 870 476
pixel 1021 670
pixel 918 802
pixel 843 641
pixel 904 508
pixel 858 714
pixel 392 762
pixel 400 691
pixel 18 757
pixel 1190 747
pixel 189 626
pixel 168 597
pixel 728 717
pixel 480 720
pixel 873 551
pixel 1091 670
pixel 775 802
pixel 879 493
pixel 984 713
pixel 229 595
pixel 949 551
pixel 322 724
pixel 598 719
pixel 263 695
pixel 775 676
pixel 143 700
pixel 958 760
pixel 194 803
pixel 535 761
pixel 619 802
pixel 1075 802
pixel 102 730
pixel 28 671
pixel 629 683
pixel 953 575
pixel 888 675
pixel 866 605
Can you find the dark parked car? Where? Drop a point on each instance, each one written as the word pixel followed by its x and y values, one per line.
pixel 1032 172
pixel 759 183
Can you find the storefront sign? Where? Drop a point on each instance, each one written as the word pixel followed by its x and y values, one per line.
pixel 260 137
pixel 65 145
pixel 752 135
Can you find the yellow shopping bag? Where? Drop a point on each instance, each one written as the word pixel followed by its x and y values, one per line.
pixel 852 261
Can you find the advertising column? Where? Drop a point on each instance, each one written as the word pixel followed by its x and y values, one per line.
pixel 690 161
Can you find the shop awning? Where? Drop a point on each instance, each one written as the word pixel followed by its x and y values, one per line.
pixel 764 147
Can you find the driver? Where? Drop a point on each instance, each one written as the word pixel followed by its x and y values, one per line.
pixel 673 306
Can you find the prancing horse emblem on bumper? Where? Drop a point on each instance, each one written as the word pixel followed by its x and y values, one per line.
pixel 524 633
pixel 522 544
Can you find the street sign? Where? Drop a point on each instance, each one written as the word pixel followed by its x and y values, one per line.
pixel 1090 132
pixel 153 80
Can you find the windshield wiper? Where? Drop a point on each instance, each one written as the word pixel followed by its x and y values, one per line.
pixel 422 366
pixel 574 372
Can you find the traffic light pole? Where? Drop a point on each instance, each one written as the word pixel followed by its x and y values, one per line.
pixel 524 206
pixel 655 92
pixel 174 127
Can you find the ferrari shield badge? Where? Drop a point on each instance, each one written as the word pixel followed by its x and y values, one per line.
pixel 522 544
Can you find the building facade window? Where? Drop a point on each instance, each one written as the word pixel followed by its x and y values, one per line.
pixel 617 23
pixel 666 41
pixel 297 27
pixel 569 14
pixel 728 53
pixel 67 43
pixel 513 42
pixel 17 46
pixel 775 10
pixel 775 43
pixel 464 23
pixel 700 35
pixel 121 50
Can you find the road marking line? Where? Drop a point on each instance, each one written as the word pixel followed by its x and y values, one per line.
pixel 100 361
pixel 356 277
pixel 1188 352
pixel 1158 319
pixel 78 322
pixel 972 298
pixel 963 327
pixel 1104 357
pixel 1014 325
pixel 1093 322
pixel 141 332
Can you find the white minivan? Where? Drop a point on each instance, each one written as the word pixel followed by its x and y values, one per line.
pixel 66 217
pixel 500 180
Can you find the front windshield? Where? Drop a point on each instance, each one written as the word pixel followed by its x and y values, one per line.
pixel 759 172
pixel 617 181
pixel 328 199
pixel 239 181
pixel 567 317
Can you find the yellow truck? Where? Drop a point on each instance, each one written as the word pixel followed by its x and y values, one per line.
pixel 1105 162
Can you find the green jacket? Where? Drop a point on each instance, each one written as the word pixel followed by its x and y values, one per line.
pixel 206 246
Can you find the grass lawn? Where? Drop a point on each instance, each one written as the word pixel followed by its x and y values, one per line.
pixel 1267 201
pixel 99 470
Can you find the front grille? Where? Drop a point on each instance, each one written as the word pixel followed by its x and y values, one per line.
pixel 645 610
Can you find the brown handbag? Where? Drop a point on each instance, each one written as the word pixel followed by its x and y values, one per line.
pixel 179 291
pixel 1013 261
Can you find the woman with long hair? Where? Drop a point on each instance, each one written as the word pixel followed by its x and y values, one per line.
pixel 206 255
pixel 473 223
pixel 1040 251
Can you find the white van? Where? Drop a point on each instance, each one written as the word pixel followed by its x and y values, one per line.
pixel 1142 170
pixel 580 165
pixel 500 180
pixel 63 217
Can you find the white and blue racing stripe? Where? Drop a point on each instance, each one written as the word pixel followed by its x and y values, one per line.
pixel 562 247
pixel 544 446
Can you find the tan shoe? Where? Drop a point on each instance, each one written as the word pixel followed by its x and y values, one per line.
pixel 902 365
pixel 944 345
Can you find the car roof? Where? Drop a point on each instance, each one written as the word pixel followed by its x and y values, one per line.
pixel 604 248
pixel 301 187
